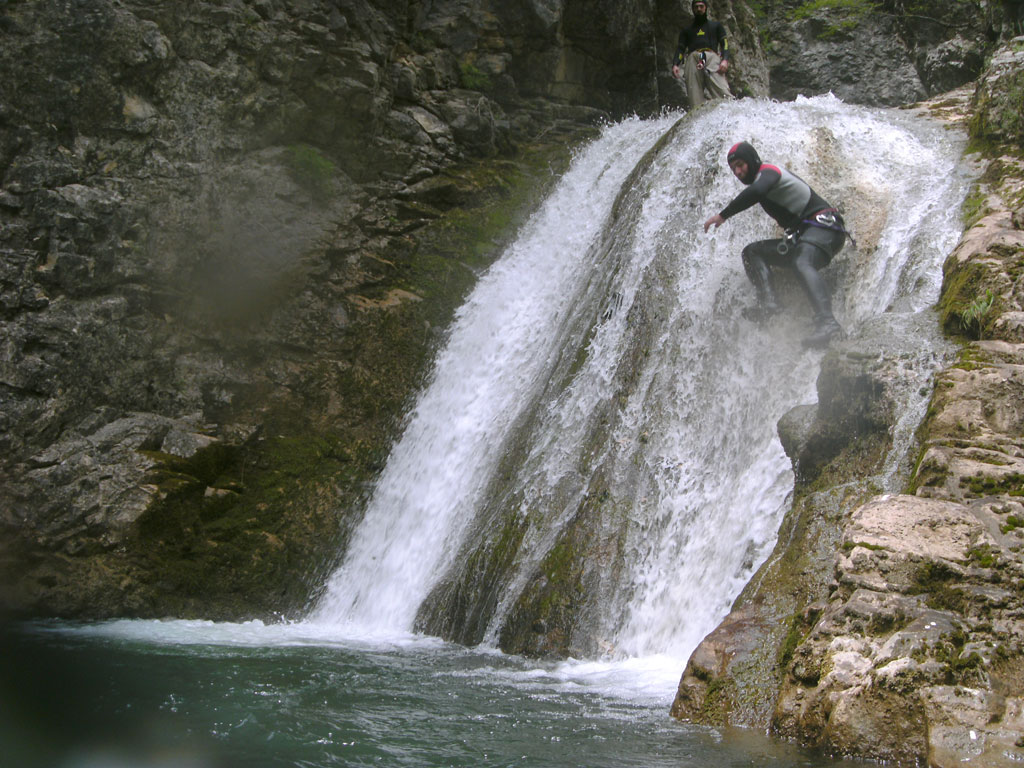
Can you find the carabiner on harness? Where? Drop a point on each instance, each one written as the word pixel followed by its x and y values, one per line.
pixel 830 219
pixel 787 242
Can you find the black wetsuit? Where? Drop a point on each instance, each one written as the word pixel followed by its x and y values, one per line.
pixel 815 233
pixel 709 35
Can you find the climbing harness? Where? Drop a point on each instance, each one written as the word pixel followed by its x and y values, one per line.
pixel 830 218
pixel 827 218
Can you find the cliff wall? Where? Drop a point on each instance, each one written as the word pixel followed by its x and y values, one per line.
pixel 233 232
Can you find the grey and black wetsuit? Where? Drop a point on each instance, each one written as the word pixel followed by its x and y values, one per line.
pixel 784 196
pixel 811 241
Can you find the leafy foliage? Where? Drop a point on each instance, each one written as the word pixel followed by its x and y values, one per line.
pixel 972 319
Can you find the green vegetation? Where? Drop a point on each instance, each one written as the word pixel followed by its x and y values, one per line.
pixel 844 15
pixel 972 319
pixel 975 206
pixel 959 668
pixel 984 556
pixel 933 579
pixel 471 77
pixel 985 485
pixel 808 9
pixel 794 635
pixel 1000 116
pixel 310 169
pixel 234 524
pixel 968 306
pixel 1013 522
pixel 848 546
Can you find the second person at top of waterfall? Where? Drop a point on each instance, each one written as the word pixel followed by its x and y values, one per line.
pixel 815 233
pixel 703 56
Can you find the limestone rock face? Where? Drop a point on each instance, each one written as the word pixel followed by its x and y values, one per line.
pixel 998 98
pixel 880 54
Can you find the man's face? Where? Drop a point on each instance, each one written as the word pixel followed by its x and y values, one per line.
pixel 739 168
pixel 700 9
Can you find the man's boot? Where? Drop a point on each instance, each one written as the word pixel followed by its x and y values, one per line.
pixel 825 328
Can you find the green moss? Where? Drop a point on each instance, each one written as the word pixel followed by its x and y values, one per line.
pixel 968 306
pixel 933 579
pixel 882 624
pixel 993 460
pixel 794 635
pixel 310 169
pixel 949 599
pixel 984 556
pixel 984 485
pixel 718 698
pixel 472 78
pixel 808 9
pixel 974 206
pixel 932 575
pixel 842 16
pixel 235 525
pixel 999 116
pixel 848 546
pixel 1013 522
pixel 928 474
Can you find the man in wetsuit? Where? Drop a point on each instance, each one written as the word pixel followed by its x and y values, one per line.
pixel 814 234
pixel 703 56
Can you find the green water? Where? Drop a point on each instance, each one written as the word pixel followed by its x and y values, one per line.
pixel 78 698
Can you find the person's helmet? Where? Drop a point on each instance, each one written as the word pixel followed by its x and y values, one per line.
pixel 746 152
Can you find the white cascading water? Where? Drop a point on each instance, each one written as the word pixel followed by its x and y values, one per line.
pixel 698 429
pixel 497 353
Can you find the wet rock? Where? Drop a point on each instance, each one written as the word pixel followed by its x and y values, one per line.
pixel 997 99
pixel 859 384
pixel 952 63
pixel 878 55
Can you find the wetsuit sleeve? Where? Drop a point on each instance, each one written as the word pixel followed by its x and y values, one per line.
pixel 723 41
pixel 755 193
pixel 682 47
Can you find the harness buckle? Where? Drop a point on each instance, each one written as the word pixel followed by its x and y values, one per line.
pixel 787 242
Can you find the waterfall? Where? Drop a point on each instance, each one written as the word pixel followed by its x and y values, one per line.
pixel 498 350
pixel 601 378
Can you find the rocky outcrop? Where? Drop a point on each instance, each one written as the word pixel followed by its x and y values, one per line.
pixel 878 53
pixel 889 626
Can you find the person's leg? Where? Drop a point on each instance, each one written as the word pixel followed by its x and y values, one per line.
pixel 694 80
pixel 756 259
pixel 813 252
pixel 715 81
